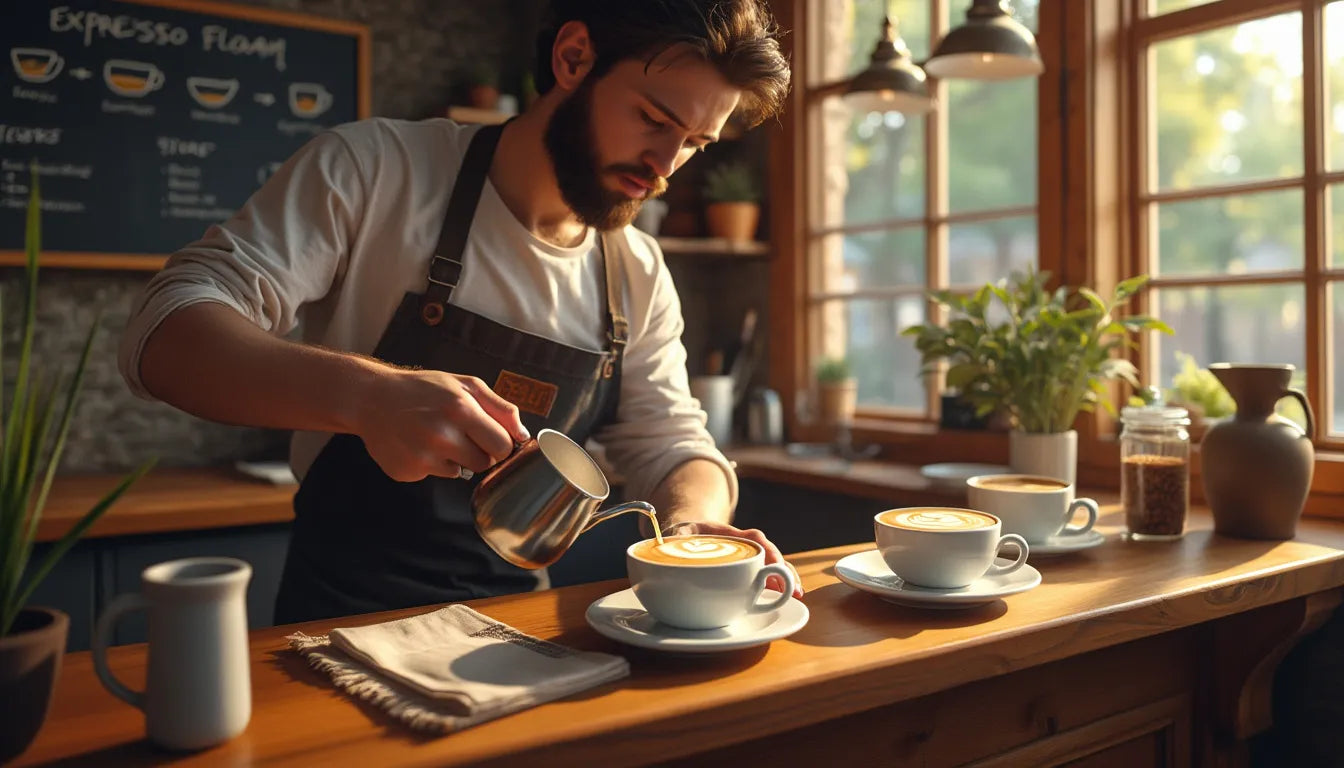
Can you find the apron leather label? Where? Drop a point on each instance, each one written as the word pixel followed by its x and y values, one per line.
pixel 531 395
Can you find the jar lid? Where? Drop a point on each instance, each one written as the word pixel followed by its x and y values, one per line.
pixel 1155 415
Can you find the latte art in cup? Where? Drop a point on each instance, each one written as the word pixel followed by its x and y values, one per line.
pixel 695 550
pixel 937 519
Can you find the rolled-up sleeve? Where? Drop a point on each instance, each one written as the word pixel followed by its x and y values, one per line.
pixel 659 424
pixel 285 247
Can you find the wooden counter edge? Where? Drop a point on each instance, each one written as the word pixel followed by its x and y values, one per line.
pixel 166 501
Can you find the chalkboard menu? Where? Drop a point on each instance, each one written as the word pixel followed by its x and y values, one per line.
pixel 150 120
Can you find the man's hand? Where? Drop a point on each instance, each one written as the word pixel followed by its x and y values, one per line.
pixel 419 423
pixel 772 554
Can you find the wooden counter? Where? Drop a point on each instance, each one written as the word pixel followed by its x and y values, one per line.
pixel 166 500
pixel 1157 650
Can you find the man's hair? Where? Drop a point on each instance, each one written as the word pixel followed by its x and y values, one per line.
pixel 739 38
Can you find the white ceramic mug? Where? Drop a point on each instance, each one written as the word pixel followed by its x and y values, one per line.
pixel 715 394
pixel 944 547
pixel 1035 508
pixel 198 689
pixel 694 596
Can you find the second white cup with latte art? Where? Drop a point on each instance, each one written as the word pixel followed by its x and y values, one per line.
pixel 703 582
pixel 944 547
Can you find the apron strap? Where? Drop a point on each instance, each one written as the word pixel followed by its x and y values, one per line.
pixel 445 269
pixel 618 328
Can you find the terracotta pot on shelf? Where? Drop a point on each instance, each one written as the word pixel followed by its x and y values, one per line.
pixel 839 400
pixel 30 662
pixel 484 96
pixel 732 221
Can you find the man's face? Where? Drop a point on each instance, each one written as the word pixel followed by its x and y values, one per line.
pixel 615 141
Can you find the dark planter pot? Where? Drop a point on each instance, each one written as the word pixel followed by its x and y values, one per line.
pixel 30 661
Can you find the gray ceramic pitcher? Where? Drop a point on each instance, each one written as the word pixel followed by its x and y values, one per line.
pixel 1257 466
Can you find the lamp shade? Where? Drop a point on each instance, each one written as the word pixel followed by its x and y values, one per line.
pixel 892 82
pixel 991 45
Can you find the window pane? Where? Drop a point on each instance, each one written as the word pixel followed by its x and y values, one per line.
pixel 886 365
pixel 1239 324
pixel 1335 197
pixel 873 166
pixel 1158 7
pixel 1336 367
pixel 1237 234
pixel 848 30
pixel 884 259
pixel 985 251
pixel 991 152
pixel 1334 85
pixel 1228 104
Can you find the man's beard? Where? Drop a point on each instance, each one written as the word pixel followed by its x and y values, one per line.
pixel 578 171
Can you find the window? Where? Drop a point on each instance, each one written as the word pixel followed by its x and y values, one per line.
pixel 1239 179
pixel 896 206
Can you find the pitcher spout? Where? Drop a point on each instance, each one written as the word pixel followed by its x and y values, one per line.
pixel 630 506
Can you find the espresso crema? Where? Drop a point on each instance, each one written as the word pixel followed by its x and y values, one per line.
pixel 936 519
pixel 695 550
pixel 1023 484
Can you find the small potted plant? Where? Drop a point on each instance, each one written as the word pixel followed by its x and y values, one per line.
pixel 34 425
pixel 732 201
pixel 838 391
pixel 1048 360
pixel 483 87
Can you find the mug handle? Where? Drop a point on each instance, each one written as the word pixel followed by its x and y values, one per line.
pixel 1092 512
pixel 778 569
pixel 1301 397
pixel 122 604
pixel 1012 538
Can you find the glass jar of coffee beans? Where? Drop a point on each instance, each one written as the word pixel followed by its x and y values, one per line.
pixel 1155 470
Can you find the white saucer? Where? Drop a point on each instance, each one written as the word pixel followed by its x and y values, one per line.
pixel 1063 545
pixel 954 474
pixel 867 571
pixel 620 617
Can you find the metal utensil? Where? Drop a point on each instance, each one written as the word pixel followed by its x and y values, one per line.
pixel 532 506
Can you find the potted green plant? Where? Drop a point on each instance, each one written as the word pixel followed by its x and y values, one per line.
pixel 837 390
pixel 732 201
pixel 483 86
pixel 1047 360
pixel 33 429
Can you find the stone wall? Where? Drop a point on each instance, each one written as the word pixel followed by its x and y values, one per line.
pixel 423 51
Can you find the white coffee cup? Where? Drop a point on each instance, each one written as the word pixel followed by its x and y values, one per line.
pixel 704 595
pixel 198 689
pixel 1035 508
pixel 944 547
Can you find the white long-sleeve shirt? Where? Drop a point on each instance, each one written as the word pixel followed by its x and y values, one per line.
pixel 347 226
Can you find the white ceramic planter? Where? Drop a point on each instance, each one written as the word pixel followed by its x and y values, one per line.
pixel 1048 455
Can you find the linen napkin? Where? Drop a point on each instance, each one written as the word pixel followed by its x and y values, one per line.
pixel 452 668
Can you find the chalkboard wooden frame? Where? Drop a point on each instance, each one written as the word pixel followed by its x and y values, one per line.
pixel 364 87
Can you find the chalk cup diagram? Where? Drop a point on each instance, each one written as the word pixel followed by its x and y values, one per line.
pixel 308 99
pixel 132 78
pixel 36 65
pixel 212 92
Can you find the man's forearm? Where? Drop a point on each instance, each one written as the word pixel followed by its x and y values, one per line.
pixel 212 362
pixel 695 491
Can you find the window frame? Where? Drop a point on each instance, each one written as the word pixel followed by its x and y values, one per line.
pixel 1086 147
pixel 795 168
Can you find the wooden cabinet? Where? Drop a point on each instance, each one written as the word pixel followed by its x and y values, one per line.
pixel 1127 706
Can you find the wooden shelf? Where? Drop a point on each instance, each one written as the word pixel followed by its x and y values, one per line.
pixel 714 246
pixel 475 115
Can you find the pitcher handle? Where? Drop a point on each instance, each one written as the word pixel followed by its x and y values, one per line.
pixel 610 512
pixel 1301 397
pixel 122 604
